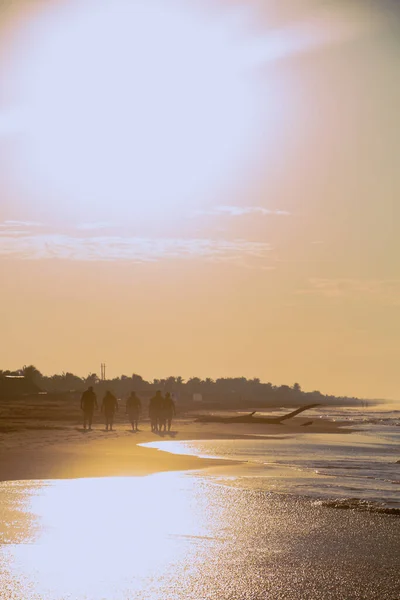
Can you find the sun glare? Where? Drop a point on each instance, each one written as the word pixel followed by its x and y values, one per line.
pixel 132 107
pixel 112 535
pixel 123 111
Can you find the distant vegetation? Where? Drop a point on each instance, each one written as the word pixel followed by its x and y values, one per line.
pixel 230 391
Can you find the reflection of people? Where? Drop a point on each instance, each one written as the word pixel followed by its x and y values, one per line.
pixel 88 402
pixel 133 409
pixel 169 410
pixel 109 405
pixel 154 410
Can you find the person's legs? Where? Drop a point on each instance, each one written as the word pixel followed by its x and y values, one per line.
pixel 87 419
pixel 111 419
pixel 169 424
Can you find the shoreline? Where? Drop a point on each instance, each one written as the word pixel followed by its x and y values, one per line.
pixel 50 451
pixel 237 472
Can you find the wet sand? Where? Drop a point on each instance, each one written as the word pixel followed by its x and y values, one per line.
pixel 53 450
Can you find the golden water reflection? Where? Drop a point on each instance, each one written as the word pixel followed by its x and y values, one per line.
pixel 105 538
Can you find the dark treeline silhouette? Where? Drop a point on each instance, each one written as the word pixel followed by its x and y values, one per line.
pixel 227 391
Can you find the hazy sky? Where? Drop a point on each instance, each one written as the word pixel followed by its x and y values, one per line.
pixel 202 188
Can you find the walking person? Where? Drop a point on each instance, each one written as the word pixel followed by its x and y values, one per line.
pixel 88 404
pixel 162 415
pixel 170 411
pixel 154 410
pixel 109 406
pixel 133 410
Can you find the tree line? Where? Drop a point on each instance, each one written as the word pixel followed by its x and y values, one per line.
pixel 232 390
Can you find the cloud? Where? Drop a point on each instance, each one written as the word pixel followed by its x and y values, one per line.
pixel 95 225
pixel 384 290
pixel 240 211
pixel 11 224
pixel 31 246
pixel 322 28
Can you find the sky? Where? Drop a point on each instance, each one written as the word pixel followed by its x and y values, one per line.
pixel 202 189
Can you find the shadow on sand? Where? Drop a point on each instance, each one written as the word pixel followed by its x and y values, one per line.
pixel 171 434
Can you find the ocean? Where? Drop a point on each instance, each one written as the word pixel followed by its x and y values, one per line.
pixel 360 469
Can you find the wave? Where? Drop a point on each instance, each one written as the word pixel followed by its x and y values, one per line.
pixel 390 422
pixel 359 505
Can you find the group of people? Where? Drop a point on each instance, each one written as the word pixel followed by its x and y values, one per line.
pixel 161 410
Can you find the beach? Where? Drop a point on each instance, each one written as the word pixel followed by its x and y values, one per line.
pixel 46 440
pixel 91 515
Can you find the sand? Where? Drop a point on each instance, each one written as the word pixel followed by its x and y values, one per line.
pixel 48 447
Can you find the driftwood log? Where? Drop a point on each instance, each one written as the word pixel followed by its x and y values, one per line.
pixel 250 418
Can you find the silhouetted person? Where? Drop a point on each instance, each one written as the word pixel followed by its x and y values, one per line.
pixel 169 410
pixel 154 410
pixel 133 410
pixel 88 404
pixel 162 415
pixel 109 406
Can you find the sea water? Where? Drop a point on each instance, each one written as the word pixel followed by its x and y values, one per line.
pixel 360 468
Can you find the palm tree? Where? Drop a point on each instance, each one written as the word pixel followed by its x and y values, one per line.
pixel 31 373
pixel 194 383
pixel 91 379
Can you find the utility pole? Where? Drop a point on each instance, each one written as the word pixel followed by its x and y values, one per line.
pixel 103 371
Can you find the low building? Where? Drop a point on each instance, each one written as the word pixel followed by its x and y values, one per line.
pixel 13 386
